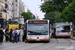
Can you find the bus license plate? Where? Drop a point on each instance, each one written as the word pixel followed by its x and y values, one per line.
pixel 38 40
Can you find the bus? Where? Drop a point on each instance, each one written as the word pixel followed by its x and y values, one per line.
pixel 37 30
pixel 62 30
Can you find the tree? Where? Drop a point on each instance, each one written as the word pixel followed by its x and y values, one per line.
pixel 48 6
pixel 34 17
pixel 57 17
pixel 68 13
pixel 31 15
pixel 53 17
pixel 54 5
pixel 26 16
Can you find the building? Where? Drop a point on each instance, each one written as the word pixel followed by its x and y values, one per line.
pixel 11 9
pixel 2 9
pixel 26 9
pixel 17 9
pixel 23 7
pixel 2 14
pixel 8 7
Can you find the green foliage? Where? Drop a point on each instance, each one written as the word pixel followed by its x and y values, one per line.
pixel 54 5
pixel 53 17
pixel 68 13
pixel 27 15
pixel 48 7
pixel 34 17
pixel 57 17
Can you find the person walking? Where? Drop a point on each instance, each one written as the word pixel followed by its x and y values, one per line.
pixel 6 31
pixel 4 34
pixel 16 37
pixel 21 35
pixel 1 36
pixel 52 33
pixel 18 31
pixel 25 35
pixel 11 34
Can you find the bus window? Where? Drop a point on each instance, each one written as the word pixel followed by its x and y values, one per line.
pixel 41 29
pixel 66 29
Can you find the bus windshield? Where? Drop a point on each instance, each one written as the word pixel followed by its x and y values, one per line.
pixel 38 29
pixel 63 28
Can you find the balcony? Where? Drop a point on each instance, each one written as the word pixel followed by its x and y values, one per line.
pixel 2 8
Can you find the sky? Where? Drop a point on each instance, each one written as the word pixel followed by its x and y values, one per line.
pixel 33 6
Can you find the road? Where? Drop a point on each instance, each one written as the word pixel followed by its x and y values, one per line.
pixel 54 44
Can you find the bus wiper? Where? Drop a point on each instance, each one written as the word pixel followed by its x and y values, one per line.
pixel 38 33
pixel 34 33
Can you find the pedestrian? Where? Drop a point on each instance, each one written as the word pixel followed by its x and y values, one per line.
pixel 16 37
pixel 6 31
pixel 11 34
pixel 25 35
pixel 18 32
pixel 52 33
pixel 4 34
pixel 21 35
pixel 1 36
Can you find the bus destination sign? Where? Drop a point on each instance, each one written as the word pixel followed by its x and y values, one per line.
pixel 37 22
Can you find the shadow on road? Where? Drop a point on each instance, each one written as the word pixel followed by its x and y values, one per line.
pixel 38 42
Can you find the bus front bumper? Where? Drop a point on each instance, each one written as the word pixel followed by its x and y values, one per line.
pixel 38 39
pixel 63 35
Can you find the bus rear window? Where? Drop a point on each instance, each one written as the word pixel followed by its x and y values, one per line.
pixel 66 29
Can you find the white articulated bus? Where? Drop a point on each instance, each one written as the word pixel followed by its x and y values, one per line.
pixel 37 30
pixel 62 30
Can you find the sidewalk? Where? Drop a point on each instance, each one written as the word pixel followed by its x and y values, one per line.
pixel 73 38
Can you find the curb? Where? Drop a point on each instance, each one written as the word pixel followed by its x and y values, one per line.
pixel 73 38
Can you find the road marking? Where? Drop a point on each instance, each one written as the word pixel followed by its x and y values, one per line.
pixel 66 47
pixel 72 40
pixel 62 40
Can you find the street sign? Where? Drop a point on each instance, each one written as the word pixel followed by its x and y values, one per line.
pixel 22 20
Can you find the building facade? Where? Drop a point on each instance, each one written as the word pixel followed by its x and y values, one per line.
pixel 8 7
pixel 12 9
pixel 2 9
pixel 17 9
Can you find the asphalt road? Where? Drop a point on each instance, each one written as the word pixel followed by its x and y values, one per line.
pixel 54 44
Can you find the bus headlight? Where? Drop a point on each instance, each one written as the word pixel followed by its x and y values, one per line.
pixel 29 38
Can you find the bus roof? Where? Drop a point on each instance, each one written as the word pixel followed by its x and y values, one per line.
pixel 61 24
